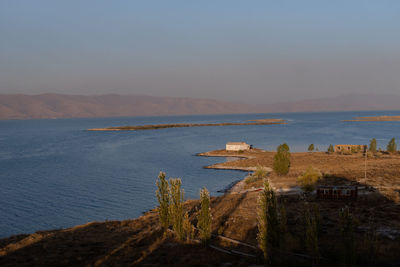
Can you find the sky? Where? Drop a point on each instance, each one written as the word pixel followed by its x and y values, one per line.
pixel 256 51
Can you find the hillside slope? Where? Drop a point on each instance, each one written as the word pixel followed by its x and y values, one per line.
pixel 18 106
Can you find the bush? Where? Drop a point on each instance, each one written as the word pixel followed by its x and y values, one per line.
pixel 250 179
pixel 330 149
pixel 188 228
pixel 281 163
pixel 175 208
pixel 269 227
pixel 311 148
pixel 392 146
pixel 260 172
pixel 309 179
pixel 311 227
pixel 204 217
pixel 347 226
pixel 283 148
pixel 163 200
pixel 372 145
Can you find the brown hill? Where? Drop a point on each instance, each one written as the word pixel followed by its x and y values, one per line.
pixel 18 106
pixel 351 102
pixel 77 106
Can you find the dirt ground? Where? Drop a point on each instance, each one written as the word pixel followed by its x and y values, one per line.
pixel 141 241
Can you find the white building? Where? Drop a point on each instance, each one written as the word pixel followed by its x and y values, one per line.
pixel 236 146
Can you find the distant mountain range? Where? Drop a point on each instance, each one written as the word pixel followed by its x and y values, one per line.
pixel 19 106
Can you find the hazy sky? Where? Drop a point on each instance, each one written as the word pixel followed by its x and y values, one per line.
pixel 251 51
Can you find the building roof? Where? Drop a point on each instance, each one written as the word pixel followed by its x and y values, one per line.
pixel 236 143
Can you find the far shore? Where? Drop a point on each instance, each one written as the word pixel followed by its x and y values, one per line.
pixel 376 118
pixel 180 125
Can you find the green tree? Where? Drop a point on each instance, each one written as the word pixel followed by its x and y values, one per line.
pixel 269 228
pixel 330 149
pixel 311 226
pixel 281 163
pixel 371 243
pixel 311 148
pixel 372 145
pixel 176 208
pixel 163 200
pixel 204 218
pixel 283 148
pixel 392 146
pixel 347 227
pixel 309 178
pixel 188 228
pixel 282 222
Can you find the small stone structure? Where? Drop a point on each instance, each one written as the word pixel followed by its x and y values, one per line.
pixel 237 146
pixel 350 148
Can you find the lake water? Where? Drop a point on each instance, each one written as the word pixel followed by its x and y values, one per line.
pixel 54 174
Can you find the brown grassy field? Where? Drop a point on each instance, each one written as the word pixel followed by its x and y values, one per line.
pixel 141 242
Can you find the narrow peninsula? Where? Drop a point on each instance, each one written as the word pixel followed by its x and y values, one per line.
pixel 180 125
pixel 376 118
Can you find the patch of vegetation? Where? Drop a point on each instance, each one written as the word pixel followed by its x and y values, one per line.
pixel 163 200
pixel 372 145
pixel 392 146
pixel 204 217
pixel 330 149
pixel 312 226
pixel 308 180
pixel 176 208
pixel 271 224
pixel 281 163
pixel 347 226
pixel 188 228
pixel 259 174
pixel 311 148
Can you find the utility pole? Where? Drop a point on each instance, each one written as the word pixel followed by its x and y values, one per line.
pixel 365 165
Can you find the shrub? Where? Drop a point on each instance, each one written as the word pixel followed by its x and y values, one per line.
pixel 347 227
pixel 311 148
pixel 204 217
pixel 311 226
pixel 372 145
pixel 163 200
pixel 283 148
pixel 250 179
pixel 269 227
pixel 188 228
pixel 260 172
pixel 371 243
pixel 392 146
pixel 175 208
pixel 309 179
pixel 281 163
pixel 282 221
pixel 330 149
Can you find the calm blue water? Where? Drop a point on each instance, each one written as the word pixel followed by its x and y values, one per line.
pixel 54 174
